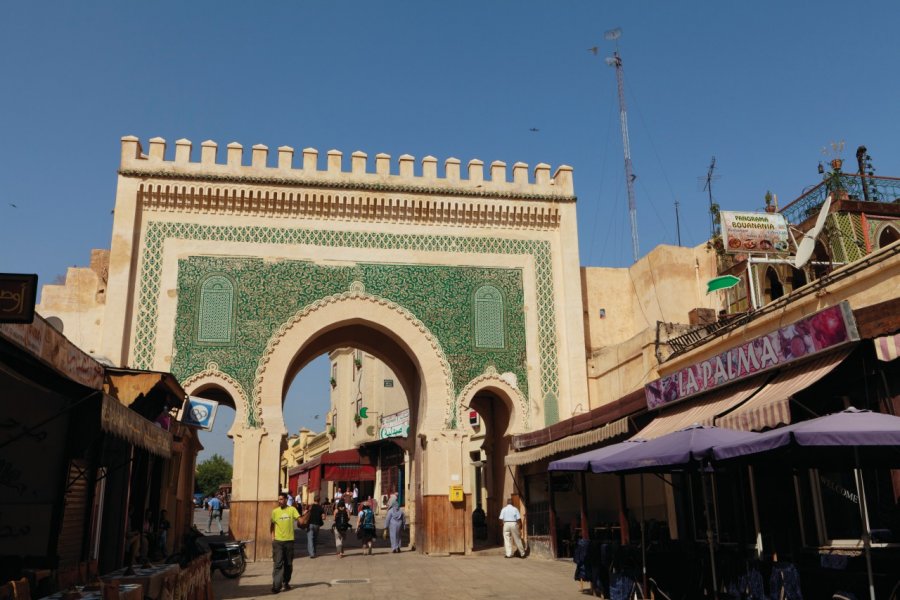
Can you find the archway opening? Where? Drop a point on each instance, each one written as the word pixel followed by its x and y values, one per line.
pixel 492 482
pixel 888 235
pixel 351 436
pixel 774 289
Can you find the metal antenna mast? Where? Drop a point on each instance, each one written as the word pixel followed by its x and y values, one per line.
pixel 616 61
pixel 707 187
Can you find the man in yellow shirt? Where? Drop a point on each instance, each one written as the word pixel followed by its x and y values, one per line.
pixel 282 528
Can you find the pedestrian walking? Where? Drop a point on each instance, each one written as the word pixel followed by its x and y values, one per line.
pixel 215 513
pixel 511 517
pixel 162 533
pixel 284 519
pixel 315 522
pixel 340 527
pixel 394 523
pixel 365 528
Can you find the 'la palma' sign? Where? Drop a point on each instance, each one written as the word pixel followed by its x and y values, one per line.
pixel 817 333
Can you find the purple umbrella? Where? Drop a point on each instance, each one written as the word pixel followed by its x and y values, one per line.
pixel 582 462
pixel 848 433
pixel 845 431
pixel 682 449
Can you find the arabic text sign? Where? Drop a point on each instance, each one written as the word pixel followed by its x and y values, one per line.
pixel 395 425
pixel 200 412
pixel 17 295
pixel 759 233
pixel 817 333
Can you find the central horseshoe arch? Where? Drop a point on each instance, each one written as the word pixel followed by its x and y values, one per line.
pixel 334 322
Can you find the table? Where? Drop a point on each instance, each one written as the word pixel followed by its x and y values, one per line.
pixel 128 591
pixel 153 578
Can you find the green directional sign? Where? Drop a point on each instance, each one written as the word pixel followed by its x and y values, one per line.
pixel 363 412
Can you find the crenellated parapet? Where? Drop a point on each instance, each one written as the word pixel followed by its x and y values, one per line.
pixel 306 169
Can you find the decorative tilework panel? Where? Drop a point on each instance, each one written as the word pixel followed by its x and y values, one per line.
pixel 270 293
pixel 216 309
pixel 157 232
pixel 488 317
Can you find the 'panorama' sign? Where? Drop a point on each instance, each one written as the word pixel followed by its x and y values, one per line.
pixel 817 333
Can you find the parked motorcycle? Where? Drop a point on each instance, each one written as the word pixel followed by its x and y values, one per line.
pixel 229 557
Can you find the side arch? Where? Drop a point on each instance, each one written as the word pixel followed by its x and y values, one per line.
pixel 212 377
pixel 500 386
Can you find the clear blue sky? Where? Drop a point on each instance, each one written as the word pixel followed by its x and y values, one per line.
pixel 763 86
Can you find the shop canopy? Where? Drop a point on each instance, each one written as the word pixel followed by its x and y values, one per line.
pixel 347 465
pixel 770 406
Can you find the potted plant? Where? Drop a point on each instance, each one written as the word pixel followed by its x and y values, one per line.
pixel 357 419
pixel 358 362
pixel 770 202
pixel 333 382
pixel 332 431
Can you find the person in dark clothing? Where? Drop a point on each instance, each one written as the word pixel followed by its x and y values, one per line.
pixel 315 522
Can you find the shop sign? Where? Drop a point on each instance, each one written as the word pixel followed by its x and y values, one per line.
pixel 200 412
pixel 825 330
pixel 17 295
pixel 756 233
pixel 395 425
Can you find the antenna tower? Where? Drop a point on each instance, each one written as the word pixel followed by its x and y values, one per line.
pixel 707 187
pixel 616 61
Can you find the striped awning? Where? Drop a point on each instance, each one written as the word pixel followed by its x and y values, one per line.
pixel 572 442
pixel 701 411
pixel 771 406
pixel 887 347
pixel 122 422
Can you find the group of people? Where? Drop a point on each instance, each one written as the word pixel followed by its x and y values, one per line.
pixel 286 516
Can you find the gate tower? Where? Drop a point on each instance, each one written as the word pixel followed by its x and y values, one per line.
pixel 233 276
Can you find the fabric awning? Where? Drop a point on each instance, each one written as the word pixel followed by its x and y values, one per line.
pixel 887 347
pixel 572 442
pixel 122 422
pixel 770 407
pixel 701 410
pixel 345 457
pixel 305 466
pixel 349 473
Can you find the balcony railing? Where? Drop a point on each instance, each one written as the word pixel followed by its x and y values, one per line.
pixel 881 189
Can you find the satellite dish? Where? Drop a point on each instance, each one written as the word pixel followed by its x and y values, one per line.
pixel 808 243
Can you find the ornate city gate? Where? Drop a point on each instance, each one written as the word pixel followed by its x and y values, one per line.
pixel 234 276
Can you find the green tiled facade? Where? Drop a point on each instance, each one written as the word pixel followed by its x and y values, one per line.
pixel 266 294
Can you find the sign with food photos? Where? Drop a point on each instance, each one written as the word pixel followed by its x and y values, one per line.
pixel 754 233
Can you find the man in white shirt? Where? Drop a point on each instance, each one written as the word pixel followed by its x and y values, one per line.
pixel 511 517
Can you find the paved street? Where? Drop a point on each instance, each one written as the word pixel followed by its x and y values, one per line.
pixel 404 575
pixel 408 575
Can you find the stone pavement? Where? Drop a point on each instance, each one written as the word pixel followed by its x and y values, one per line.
pixel 407 575
pixel 487 574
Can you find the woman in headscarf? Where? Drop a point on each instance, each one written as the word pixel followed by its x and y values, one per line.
pixel 394 523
